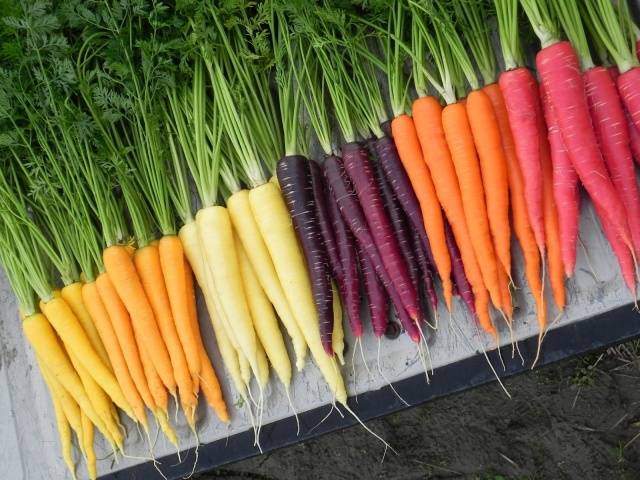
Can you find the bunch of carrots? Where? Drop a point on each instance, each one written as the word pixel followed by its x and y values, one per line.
pixel 145 145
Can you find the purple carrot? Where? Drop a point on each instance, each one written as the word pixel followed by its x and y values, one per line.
pixel 294 176
pixel 401 185
pixel 358 167
pixel 376 296
pixel 457 270
pixel 399 223
pixel 425 269
pixel 351 211
pixel 347 251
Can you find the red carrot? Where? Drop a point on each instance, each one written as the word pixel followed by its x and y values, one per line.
pixel 358 167
pixel 376 296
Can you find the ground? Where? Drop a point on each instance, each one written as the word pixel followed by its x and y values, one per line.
pixel 574 420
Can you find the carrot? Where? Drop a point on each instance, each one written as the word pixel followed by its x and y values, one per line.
pixel 125 280
pixel 124 332
pixel 460 140
pixel 148 264
pixel 64 430
pixel 408 146
pixel 493 166
pixel 427 113
pixel 521 226
pixel 89 452
pixel 209 380
pixel 72 294
pixel 71 333
pixel 565 188
pixel 100 316
pixel 42 339
pixel 172 262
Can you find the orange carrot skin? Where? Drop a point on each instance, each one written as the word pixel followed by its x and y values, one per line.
pixel 551 226
pixel 427 114
pixel 208 379
pixel 147 262
pixel 520 93
pixel 172 261
pixel 123 274
pixel 410 152
pixel 493 165
pixel 124 331
pixel 521 226
pixel 100 316
pixel 463 153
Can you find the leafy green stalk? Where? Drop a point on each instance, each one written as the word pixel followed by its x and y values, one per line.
pixel 569 16
pixel 610 28
pixel 509 33
pixel 472 17
pixel 543 21
pixel 395 56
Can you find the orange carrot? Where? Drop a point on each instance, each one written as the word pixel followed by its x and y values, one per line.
pixel 172 261
pixel 551 225
pixel 406 140
pixel 427 114
pixel 465 160
pixel 124 332
pixel 208 379
pixel 101 320
pixel 493 165
pixel 521 225
pixel 147 262
pixel 505 293
pixel 125 279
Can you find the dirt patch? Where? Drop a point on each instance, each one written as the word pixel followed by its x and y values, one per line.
pixel 568 421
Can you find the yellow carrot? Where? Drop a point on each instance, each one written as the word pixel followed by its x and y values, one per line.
pixel 338 329
pixel 247 229
pixel 87 441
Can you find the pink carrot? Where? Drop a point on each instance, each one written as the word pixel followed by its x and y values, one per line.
pixel 566 191
pixel 559 69
pixel 607 114
pixel 520 91
pixel 629 88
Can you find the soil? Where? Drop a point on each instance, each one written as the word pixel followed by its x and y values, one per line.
pixel 573 420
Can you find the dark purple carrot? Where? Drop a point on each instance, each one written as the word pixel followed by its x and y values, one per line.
pixel 457 271
pixel 358 167
pixel 399 223
pixel 343 193
pixel 294 176
pixel 425 269
pixel 345 270
pixel 401 186
pixel 376 296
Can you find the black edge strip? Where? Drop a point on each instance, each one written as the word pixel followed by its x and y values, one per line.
pixel 597 332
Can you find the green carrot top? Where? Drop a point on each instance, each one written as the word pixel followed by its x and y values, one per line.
pixel 543 20
pixel 509 33
pixel 569 15
pixel 471 16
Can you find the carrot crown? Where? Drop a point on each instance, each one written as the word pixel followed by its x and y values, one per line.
pixel 612 31
pixel 509 33
pixel 472 18
pixel 542 20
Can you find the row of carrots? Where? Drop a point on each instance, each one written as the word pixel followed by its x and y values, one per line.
pixel 115 132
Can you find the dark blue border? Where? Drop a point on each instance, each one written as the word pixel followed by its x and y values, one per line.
pixel 594 333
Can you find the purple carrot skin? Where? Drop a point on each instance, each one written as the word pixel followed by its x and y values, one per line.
pixel 559 69
pixel 401 186
pixel 609 122
pixel 399 223
pixel 326 227
pixel 376 296
pixel 457 271
pixel 425 270
pixel 343 193
pixel 294 176
pixel 358 167
pixel 566 188
pixel 350 289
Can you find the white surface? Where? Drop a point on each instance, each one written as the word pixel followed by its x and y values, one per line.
pixel 30 442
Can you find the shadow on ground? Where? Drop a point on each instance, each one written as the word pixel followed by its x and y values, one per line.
pixel 573 420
